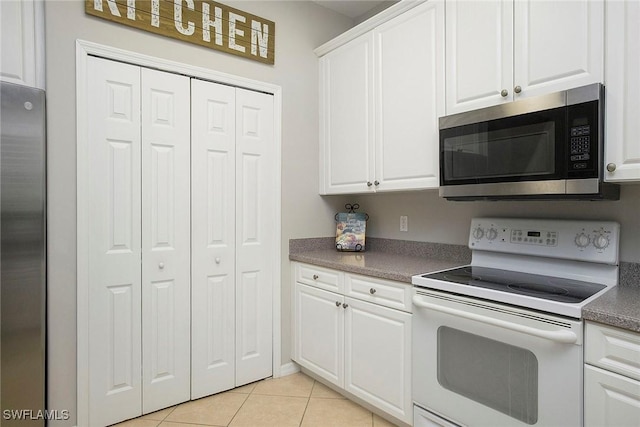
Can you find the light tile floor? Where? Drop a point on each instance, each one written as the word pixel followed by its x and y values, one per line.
pixel 294 400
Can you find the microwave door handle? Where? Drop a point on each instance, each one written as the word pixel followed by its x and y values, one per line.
pixel 566 337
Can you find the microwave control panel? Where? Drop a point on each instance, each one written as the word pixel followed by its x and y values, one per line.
pixel 583 140
pixel 580 146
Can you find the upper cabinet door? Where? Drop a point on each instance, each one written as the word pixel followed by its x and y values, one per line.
pixel 409 98
pixel 557 45
pixel 500 51
pixel 622 151
pixel 346 118
pixel 22 42
pixel 479 46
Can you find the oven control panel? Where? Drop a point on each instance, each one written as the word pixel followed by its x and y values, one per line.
pixel 595 241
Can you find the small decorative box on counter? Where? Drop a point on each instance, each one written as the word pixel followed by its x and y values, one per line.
pixel 350 229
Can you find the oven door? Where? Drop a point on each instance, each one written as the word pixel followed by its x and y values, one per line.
pixel 483 364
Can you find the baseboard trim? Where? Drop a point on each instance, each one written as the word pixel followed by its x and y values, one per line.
pixel 288 369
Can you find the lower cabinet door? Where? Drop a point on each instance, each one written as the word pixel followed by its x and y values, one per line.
pixel 319 334
pixel 610 399
pixel 378 356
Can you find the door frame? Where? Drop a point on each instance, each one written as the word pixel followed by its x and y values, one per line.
pixel 84 49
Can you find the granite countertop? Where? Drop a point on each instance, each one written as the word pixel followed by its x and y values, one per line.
pixel 384 258
pixel 618 307
pixel 399 260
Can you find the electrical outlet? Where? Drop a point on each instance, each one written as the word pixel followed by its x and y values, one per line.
pixel 404 223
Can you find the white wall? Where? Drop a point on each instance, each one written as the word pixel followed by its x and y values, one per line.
pixel 301 26
pixel 432 219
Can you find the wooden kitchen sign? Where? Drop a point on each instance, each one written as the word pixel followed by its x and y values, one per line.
pixel 202 22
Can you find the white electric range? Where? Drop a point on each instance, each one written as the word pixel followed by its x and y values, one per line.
pixel 499 342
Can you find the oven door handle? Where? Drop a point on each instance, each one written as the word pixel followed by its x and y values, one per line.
pixel 566 337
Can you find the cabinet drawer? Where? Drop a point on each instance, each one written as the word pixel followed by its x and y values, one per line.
pixel 319 277
pixel 613 349
pixel 378 291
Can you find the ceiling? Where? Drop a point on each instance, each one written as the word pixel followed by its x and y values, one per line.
pixel 353 8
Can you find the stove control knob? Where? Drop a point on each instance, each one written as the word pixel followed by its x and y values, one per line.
pixel 582 240
pixel 601 241
pixel 492 234
pixel 478 233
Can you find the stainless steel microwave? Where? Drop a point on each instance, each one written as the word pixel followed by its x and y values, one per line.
pixel 547 147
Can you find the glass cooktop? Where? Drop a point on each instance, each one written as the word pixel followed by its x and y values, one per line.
pixel 533 285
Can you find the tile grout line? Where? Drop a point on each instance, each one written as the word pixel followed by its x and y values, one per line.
pixel 308 400
pixel 236 413
pixel 167 416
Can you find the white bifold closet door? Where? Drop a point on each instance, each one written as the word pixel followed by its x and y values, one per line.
pixel 232 235
pixel 166 240
pixel 114 216
pixel 181 235
pixel 139 230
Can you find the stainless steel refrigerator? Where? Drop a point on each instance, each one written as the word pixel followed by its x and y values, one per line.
pixel 22 256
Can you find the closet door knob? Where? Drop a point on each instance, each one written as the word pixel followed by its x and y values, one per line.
pixel 161 265
pixel 217 260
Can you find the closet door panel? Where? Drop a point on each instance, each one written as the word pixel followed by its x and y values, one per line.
pixel 114 218
pixel 255 211
pixel 213 238
pixel 166 269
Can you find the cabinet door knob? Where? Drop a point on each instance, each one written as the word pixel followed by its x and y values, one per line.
pixel 338 303
pixel 161 265
pixel 315 277
pixel 345 305
pixel 369 183
pixel 376 183
pixel 611 167
pixel 372 291
pixel 217 260
pixel 504 93
pixel 517 89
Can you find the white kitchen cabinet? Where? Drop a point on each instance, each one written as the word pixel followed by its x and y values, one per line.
pixel 378 356
pixel 319 332
pixel 358 344
pixel 622 73
pixel 611 377
pixel 381 96
pixel 479 52
pixel 22 42
pixel 346 118
pixel 504 50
